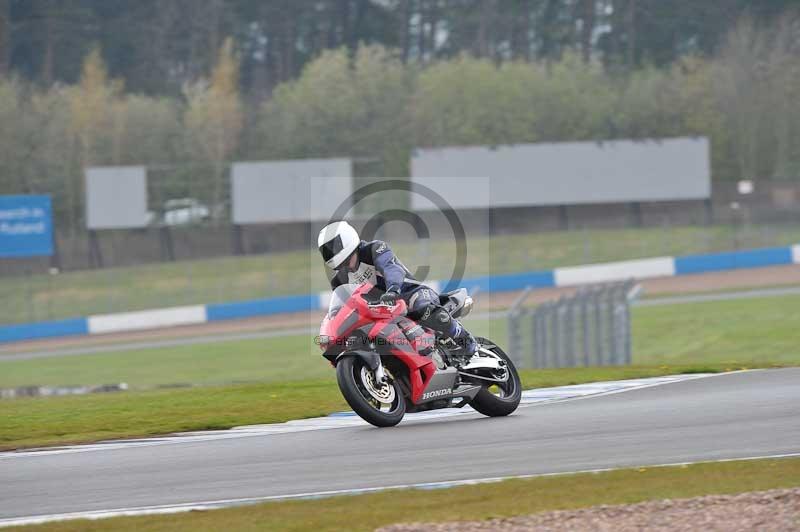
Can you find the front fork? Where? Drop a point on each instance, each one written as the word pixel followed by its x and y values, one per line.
pixel 380 374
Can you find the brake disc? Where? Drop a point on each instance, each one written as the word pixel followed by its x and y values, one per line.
pixel 384 393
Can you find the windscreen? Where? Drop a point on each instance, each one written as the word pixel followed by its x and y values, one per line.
pixel 339 297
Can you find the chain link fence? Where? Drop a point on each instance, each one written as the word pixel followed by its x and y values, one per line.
pixel 590 328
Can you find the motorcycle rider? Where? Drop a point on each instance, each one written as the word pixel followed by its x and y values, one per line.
pixel 355 261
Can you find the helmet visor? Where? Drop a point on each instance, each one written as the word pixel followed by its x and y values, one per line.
pixel 331 248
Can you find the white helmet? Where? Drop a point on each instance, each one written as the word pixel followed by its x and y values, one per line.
pixel 337 241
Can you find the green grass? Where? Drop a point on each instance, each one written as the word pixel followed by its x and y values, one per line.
pixel 741 331
pixel 43 297
pixel 74 419
pixel 268 360
pixel 479 502
pixel 85 418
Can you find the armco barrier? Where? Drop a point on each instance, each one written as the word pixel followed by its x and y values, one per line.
pixel 567 276
pixel 262 307
pixel 754 258
pixel 44 329
pixel 147 319
pixel 510 282
pixel 615 271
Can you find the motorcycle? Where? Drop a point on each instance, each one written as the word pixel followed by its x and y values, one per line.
pixel 387 364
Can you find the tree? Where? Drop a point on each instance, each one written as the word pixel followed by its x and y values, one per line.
pixel 701 111
pixel 340 107
pixel 756 80
pixel 158 46
pixel 5 36
pixel 587 19
pixel 214 118
pixel 521 30
pixel 93 105
pixel 10 119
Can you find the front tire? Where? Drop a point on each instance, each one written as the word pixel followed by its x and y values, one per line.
pixel 509 395
pixel 350 376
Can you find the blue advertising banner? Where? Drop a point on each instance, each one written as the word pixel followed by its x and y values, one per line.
pixel 26 226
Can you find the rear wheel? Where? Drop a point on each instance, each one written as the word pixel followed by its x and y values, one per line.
pixel 382 405
pixel 502 398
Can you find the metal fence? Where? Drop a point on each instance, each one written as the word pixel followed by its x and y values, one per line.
pixel 590 328
pixel 768 215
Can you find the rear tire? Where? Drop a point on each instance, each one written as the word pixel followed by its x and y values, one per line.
pixel 493 405
pixel 348 375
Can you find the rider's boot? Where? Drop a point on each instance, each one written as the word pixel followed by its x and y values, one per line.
pixel 464 344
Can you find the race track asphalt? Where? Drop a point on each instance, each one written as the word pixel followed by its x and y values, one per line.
pixel 735 415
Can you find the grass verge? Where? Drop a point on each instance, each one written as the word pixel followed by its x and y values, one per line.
pixel 486 501
pixel 741 331
pixel 79 419
pixel 264 360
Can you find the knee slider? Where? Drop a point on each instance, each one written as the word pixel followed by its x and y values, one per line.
pixel 442 316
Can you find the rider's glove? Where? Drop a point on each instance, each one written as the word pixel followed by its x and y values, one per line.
pixel 389 298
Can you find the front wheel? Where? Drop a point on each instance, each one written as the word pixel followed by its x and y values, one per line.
pixel 381 405
pixel 498 399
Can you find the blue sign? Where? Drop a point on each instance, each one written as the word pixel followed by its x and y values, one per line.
pixel 26 226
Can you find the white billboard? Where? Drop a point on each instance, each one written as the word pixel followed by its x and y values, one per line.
pixel 116 197
pixel 567 173
pixel 289 191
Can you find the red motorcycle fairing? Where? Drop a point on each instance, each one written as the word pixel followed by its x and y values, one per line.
pixel 405 332
pixel 384 327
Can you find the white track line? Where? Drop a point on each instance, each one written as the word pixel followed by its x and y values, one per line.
pixel 341 420
pixel 228 503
